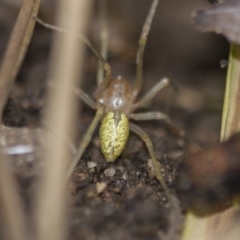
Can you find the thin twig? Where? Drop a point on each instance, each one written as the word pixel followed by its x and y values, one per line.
pixel 17 47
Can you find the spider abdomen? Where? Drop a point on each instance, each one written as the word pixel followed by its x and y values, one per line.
pixel 114 131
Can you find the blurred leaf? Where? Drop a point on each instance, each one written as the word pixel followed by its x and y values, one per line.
pixel 209 180
pixel 222 18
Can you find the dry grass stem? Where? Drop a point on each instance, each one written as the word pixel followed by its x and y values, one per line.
pixel 17 47
pixel 11 207
pixel 11 203
pixel 231 113
pixel 66 62
pixel 208 228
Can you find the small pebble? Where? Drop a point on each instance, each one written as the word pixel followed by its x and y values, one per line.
pixel 170 179
pixel 181 142
pixel 100 187
pixel 91 164
pixel 109 172
pixel 125 176
pixel 163 170
pixel 176 154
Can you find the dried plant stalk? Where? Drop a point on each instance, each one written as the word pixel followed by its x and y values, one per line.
pixel 233 233
pixel 11 203
pixel 66 62
pixel 231 113
pixel 17 47
pixel 208 228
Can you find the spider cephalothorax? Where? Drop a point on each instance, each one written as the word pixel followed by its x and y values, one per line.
pixel 117 96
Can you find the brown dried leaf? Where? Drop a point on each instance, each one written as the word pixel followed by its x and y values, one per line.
pixel 210 179
pixel 222 18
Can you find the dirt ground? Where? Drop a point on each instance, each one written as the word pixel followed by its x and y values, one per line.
pixel 123 200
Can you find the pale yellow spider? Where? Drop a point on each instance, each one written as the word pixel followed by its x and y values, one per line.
pixel 116 100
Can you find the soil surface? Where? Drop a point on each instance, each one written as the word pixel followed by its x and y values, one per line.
pixel 123 200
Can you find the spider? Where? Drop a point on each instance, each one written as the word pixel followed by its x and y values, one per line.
pixel 116 101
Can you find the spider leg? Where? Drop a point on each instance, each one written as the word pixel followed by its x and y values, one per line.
pixel 84 97
pixel 157 116
pixel 85 141
pixel 103 39
pixel 104 63
pixel 141 46
pixel 156 164
pixel 81 94
pixel 152 93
